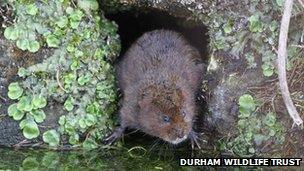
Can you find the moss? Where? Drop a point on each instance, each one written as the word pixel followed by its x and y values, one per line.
pixel 78 74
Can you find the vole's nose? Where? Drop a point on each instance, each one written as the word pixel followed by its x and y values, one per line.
pixel 180 133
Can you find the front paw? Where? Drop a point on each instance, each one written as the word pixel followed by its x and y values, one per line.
pixel 194 140
pixel 117 134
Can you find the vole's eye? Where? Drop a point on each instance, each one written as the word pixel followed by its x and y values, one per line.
pixel 166 118
pixel 183 113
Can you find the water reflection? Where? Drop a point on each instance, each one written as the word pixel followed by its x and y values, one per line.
pixel 103 159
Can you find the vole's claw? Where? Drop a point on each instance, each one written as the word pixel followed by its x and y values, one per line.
pixel 109 140
pixel 114 136
pixel 194 140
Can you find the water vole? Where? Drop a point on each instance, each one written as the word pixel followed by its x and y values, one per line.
pixel 159 76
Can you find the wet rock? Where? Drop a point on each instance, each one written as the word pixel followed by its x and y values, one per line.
pixel 229 80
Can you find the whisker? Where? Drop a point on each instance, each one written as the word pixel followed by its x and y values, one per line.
pixel 154 144
pixel 136 130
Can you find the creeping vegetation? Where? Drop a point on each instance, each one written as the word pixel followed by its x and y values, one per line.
pixel 249 30
pixel 253 129
pixel 77 75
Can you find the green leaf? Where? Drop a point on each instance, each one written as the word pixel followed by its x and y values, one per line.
pixel 23 44
pixel 51 137
pixel 70 48
pixel 267 70
pixel 228 27
pixel 87 34
pixel 251 150
pixel 82 123
pixel 69 78
pixel 68 104
pixel 51 160
pixel 82 80
pixel 59 32
pixel 31 34
pixel 74 24
pixel 39 101
pixel 62 120
pixel 69 10
pixel 25 104
pixel 76 15
pixel 34 46
pixel 280 2
pixel 30 129
pixel 272 132
pixel 23 123
pixel 31 9
pixel 22 72
pixel 62 21
pixel 74 139
pixel 244 112
pixel 90 120
pixel 14 91
pixel 270 119
pixel 89 144
pixel 246 101
pixel 14 112
pixel 88 5
pixel 11 33
pixel 255 23
pixel 30 164
pixel 93 108
pixel 79 53
pixel 52 41
pixel 75 18
pixel 74 65
pixel 41 29
pixel 38 115
pixel 99 53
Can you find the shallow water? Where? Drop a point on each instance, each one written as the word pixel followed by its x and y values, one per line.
pixel 101 159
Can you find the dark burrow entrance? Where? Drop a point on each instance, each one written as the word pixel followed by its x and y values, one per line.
pixel 133 23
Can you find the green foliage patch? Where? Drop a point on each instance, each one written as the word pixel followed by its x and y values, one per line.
pixel 253 129
pixel 250 30
pixel 78 75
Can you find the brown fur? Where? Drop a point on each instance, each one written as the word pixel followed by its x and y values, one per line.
pixel 159 76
